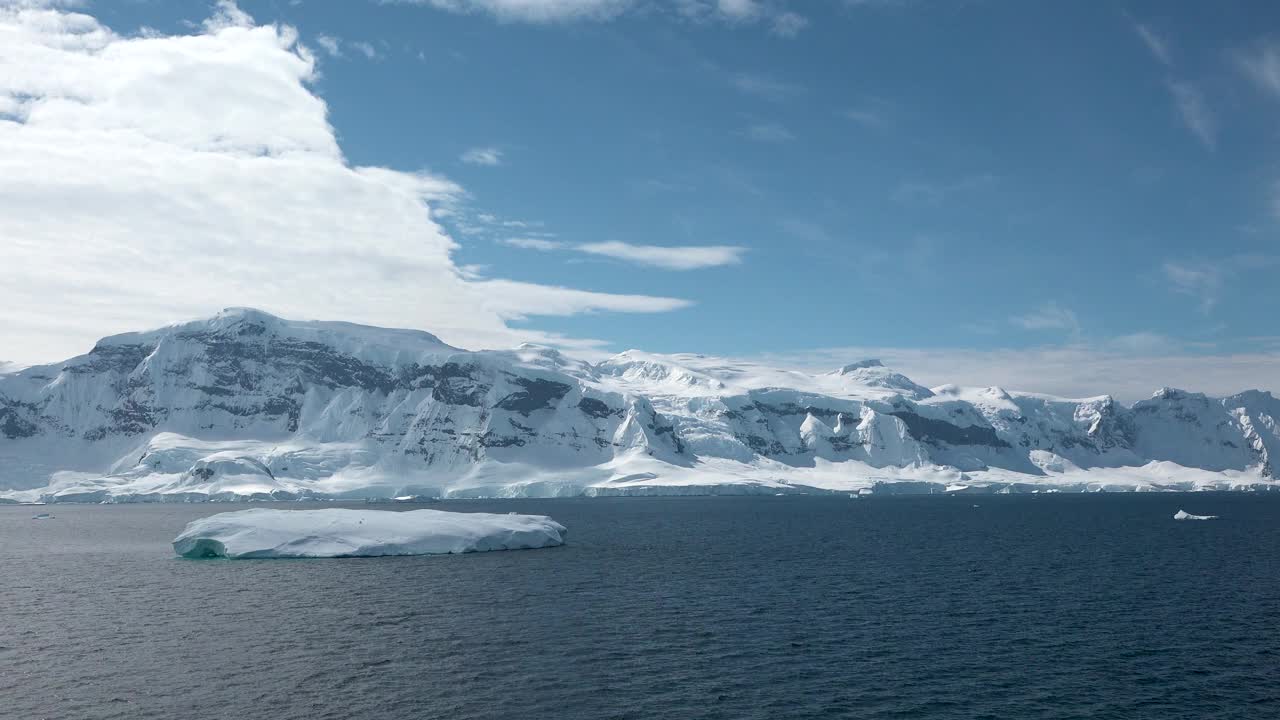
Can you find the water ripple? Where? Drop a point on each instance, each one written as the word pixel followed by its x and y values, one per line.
pixel 1031 607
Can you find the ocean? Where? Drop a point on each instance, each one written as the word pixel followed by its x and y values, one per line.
pixel 1033 606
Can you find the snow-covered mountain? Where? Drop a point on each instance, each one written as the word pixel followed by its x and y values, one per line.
pixel 245 404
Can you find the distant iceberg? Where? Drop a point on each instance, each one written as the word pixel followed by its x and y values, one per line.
pixel 1184 515
pixel 264 533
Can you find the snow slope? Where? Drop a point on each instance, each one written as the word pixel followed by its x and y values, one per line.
pixel 263 533
pixel 248 405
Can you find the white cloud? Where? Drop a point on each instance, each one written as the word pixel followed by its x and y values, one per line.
pixel 788 24
pixel 1188 98
pixel 364 48
pixel 1201 281
pixel 535 11
pixel 489 156
pixel 782 22
pixel 773 13
pixel 739 9
pixel 516 300
pixel 1155 42
pixel 1204 279
pixel 330 44
pixel 668 257
pixel 1194 111
pixel 159 178
pixel 528 243
pixel 1262 65
pixel 1050 316
pixel 226 14
pixel 768 132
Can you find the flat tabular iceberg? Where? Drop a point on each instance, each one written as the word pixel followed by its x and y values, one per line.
pixel 263 533
pixel 1184 515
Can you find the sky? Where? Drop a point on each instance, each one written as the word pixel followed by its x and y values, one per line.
pixel 1073 198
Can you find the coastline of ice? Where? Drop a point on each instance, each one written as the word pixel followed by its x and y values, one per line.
pixel 267 533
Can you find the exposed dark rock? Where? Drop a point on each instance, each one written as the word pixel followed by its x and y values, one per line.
pixel 112 358
pixel 761 446
pixel 595 408
pixel 536 395
pixel 492 439
pixel 16 419
pixel 929 430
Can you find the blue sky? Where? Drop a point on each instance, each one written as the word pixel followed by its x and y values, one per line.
pixel 986 175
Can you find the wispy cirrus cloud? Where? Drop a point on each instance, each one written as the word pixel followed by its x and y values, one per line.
pixel 1205 279
pixel 1261 64
pixel 1195 112
pixel 513 300
pixel 1188 97
pixel 486 156
pixel 771 13
pixel 365 48
pixel 1202 281
pixel 330 44
pixel 1050 316
pixel 334 47
pixel 1157 43
pixel 528 243
pixel 788 24
pixel 670 257
pixel 533 11
pixel 666 257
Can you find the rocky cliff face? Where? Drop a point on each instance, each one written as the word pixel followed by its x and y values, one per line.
pixel 245 404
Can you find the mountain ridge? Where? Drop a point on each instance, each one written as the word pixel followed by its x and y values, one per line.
pixel 248 405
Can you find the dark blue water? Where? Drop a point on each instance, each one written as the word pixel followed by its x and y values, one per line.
pixel 1025 607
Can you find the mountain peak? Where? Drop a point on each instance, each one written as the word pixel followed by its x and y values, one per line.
pixel 1172 393
pixel 245 314
pixel 860 365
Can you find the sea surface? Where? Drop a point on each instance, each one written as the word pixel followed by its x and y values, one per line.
pixel 1045 606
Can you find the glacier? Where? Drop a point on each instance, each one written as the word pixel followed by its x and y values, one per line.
pixel 266 533
pixel 248 406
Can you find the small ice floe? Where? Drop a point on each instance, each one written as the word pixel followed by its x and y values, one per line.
pixel 1184 515
pixel 42 516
